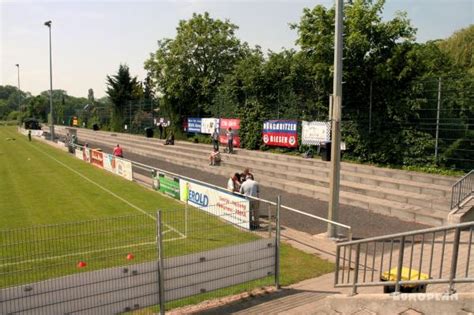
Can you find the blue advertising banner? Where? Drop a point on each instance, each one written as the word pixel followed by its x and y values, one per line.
pixel 194 125
pixel 280 133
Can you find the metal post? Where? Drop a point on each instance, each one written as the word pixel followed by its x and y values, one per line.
pixel 333 207
pixel 269 221
pixel 370 108
pixel 19 90
pixel 159 241
pixel 18 66
pixel 437 119
pixel 400 263
pixel 336 273
pixel 130 116
pixel 356 270
pixel 186 218
pixel 277 244
pixel 454 261
pixel 330 108
pixel 48 24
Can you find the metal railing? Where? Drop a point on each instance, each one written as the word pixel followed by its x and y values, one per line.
pixel 462 189
pixel 408 261
pixel 125 263
pixel 218 188
pixel 149 169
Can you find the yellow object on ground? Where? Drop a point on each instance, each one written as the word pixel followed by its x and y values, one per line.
pixel 405 276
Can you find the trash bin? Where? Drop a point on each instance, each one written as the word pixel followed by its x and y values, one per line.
pixel 149 132
pixel 405 288
pixel 326 151
pixel 71 148
pixel 95 127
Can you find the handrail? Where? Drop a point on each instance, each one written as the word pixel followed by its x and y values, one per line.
pixel 417 255
pixel 462 189
pixel 150 168
pixel 409 233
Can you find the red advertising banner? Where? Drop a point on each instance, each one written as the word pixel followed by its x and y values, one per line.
pixel 224 124
pixel 280 133
pixel 97 158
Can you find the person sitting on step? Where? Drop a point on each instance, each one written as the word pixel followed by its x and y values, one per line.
pixel 214 157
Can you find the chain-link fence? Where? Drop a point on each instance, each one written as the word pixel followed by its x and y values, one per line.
pixel 125 263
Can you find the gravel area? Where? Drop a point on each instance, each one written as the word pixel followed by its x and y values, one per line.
pixel 364 223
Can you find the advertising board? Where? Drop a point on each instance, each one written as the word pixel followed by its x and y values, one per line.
pixel 123 168
pixel 209 124
pixel 97 158
pixel 225 205
pixel 280 133
pixel 166 185
pixel 109 162
pixel 194 125
pixel 315 132
pixel 79 154
pixel 224 124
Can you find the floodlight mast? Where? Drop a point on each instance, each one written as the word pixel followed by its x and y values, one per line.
pixel 334 179
pixel 48 24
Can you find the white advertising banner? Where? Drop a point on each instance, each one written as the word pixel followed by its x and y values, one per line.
pixel 123 168
pixel 109 162
pixel 78 153
pixel 37 133
pixel 209 124
pixel 225 205
pixel 315 132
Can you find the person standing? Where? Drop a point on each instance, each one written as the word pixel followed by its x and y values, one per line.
pixel 118 151
pixel 251 188
pixel 160 128
pixel 29 135
pixel 233 184
pixel 230 140
pixel 215 139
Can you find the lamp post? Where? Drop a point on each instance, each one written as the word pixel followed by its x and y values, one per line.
pixel 48 24
pixel 334 178
pixel 19 93
pixel 18 66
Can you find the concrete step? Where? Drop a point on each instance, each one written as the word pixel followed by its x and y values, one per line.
pixel 387 207
pixel 391 196
pixel 275 157
pixel 384 190
pixel 321 174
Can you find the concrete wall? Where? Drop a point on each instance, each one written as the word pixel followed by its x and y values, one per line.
pixel 405 304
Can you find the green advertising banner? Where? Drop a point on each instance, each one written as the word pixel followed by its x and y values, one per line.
pixel 166 185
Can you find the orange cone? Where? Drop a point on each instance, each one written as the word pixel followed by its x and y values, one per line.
pixel 81 264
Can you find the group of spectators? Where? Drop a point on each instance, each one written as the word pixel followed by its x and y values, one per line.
pixel 245 184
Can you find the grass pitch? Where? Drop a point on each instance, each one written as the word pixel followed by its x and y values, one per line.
pixel 40 185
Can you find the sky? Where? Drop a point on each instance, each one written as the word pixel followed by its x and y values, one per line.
pixel 90 39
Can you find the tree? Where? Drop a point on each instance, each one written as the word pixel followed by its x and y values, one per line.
pixel 189 68
pixel 460 47
pixel 121 89
pixel 381 63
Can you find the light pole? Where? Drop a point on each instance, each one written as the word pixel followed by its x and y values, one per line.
pixel 334 178
pixel 18 66
pixel 48 24
pixel 19 90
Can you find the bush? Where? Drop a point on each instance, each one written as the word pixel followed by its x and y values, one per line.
pixel 200 138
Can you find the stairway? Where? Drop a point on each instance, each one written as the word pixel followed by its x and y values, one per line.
pixel 410 196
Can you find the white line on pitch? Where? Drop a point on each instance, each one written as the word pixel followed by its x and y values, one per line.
pixel 75 254
pixel 88 252
pixel 106 190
